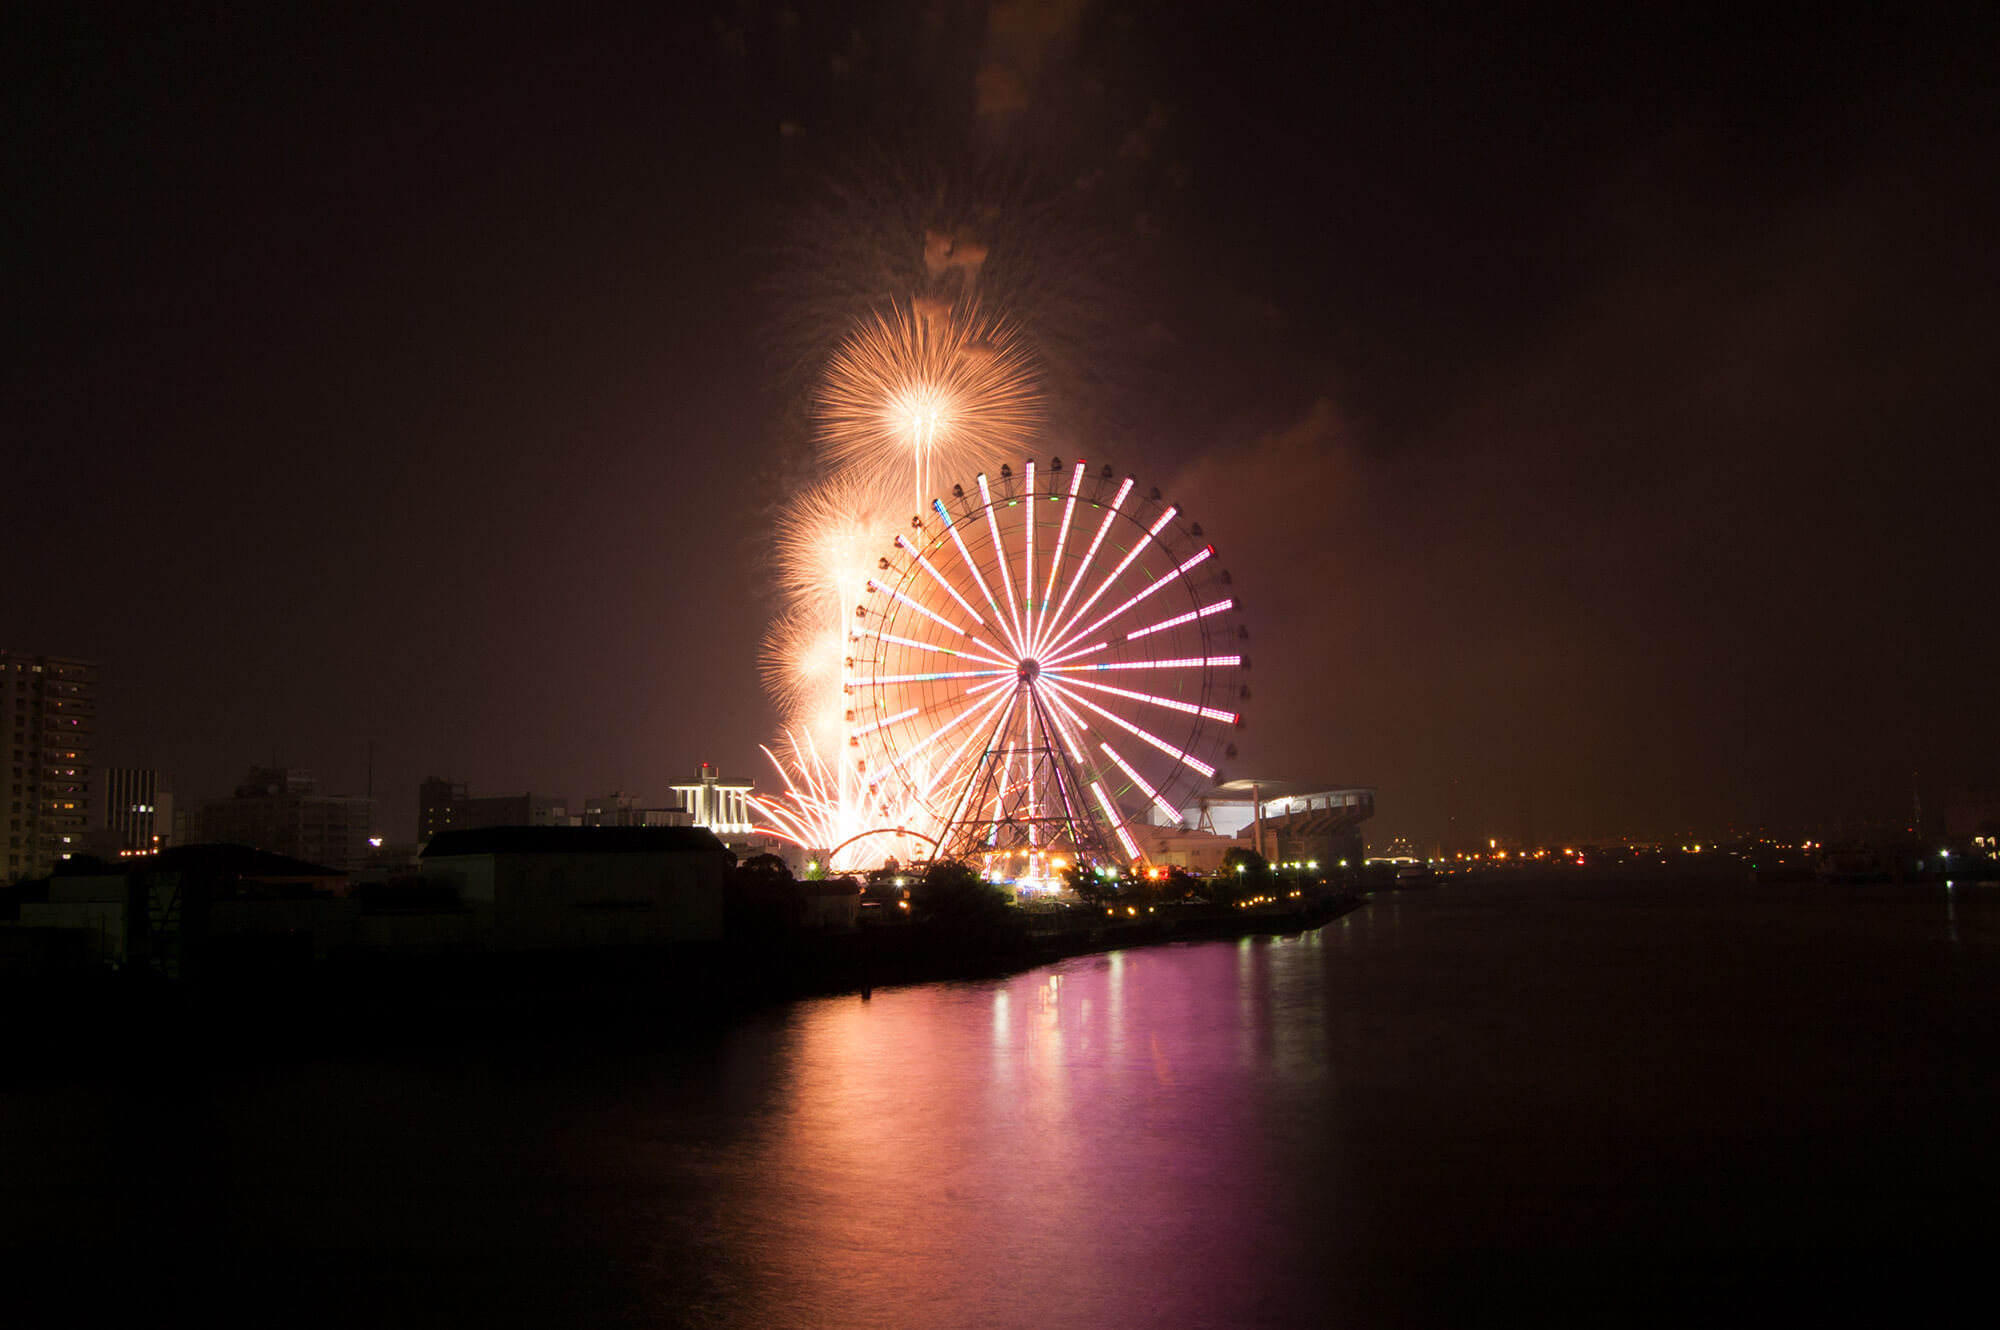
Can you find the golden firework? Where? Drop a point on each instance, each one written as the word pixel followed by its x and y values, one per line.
pixel 924 392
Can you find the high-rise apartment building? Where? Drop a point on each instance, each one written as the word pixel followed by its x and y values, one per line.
pixel 47 719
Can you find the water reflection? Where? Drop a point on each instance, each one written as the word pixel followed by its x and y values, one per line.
pixel 1286 1130
pixel 1102 1135
pixel 1474 1105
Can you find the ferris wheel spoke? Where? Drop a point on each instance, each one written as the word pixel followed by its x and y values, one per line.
pixel 984 651
pixel 993 703
pixel 1062 712
pixel 1218 607
pixel 965 556
pixel 897 596
pixel 1117 819
pixel 1004 713
pixel 953 766
pixel 875 725
pixel 1090 555
pixel 1173 813
pixel 1180 755
pixel 1170 703
pixel 1185 662
pixel 1200 557
pixel 1028 556
pixel 903 542
pixel 1000 558
pixel 1138 548
pixel 1062 541
pixel 1080 651
pixel 934 677
pixel 1028 734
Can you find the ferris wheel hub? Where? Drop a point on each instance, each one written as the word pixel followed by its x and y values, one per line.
pixel 1029 671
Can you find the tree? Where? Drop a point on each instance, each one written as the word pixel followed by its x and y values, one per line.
pixel 763 868
pixel 1087 885
pixel 1165 883
pixel 1249 863
pixel 1243 873
pixel 953 895
pixel 761 897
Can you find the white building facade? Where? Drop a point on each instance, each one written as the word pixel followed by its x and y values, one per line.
pixel 723 806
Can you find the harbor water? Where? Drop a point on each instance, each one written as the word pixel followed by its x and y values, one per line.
pixel 1586 1102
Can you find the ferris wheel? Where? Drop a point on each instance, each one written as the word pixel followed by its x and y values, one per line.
pixel 1042 663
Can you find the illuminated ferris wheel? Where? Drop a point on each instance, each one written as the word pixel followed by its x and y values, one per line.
pixel 1041 663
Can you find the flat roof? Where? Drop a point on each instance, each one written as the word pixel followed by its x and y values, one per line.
pixel 573 840
pixel 1246 790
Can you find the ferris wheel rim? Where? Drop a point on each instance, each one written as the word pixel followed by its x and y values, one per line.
pixel 942 601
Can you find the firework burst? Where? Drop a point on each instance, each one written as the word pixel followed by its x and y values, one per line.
pixel 801 663
pixel 1050 252
pixel 923 386
pixel 922 390
pixel 831 536
pixel 828 544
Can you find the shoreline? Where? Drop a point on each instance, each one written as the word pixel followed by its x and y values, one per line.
pixel 114 1023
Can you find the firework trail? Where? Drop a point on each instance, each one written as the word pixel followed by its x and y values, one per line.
pixel 820 811
pixel 810 812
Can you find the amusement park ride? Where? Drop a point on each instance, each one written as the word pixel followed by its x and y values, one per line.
pixel 1041 662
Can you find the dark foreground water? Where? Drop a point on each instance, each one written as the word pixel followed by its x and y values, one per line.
pixel 1580 1103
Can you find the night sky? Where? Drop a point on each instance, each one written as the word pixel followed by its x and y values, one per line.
pixel 1594 410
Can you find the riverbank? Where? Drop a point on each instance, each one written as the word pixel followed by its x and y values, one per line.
pixel 235 1012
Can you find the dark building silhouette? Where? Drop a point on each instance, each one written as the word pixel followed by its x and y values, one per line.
pixel 444 805
pixel 281 810
pixel 535 887
pixel 135 806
